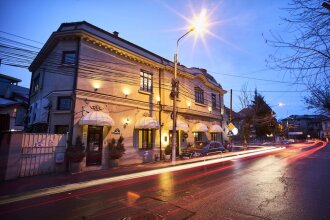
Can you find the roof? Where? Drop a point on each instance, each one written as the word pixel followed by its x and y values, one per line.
pixel 9 78
pixel 7 102
pixel 235 114
pixel 305 117
pixel 115 39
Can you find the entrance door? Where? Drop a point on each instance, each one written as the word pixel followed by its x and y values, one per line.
pixel 94 145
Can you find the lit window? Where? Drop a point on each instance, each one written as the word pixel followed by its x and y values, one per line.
pixel 146 139
pixel 69 57
pixel 36 84
pixel 214 136
pixel 145 81
pixel 64 103
pixel 199 95
pixel 198 136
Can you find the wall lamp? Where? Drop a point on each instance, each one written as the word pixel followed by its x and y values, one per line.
pixel 158 99
pixel 189 104
pixel 126 122
pixel 126 92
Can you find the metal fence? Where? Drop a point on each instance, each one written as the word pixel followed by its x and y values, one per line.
pixel 38 153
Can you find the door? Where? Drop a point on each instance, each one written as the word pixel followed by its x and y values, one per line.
pixel 94 145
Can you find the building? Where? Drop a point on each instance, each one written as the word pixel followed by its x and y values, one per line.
pixel 326 129
pixel 303 126
pixel 13 104
pixel 94 84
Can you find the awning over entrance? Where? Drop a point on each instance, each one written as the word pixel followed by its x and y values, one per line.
pixel 216 129
pixel 199 127
pixel 180 125
pixel 146 123
pixel 97 118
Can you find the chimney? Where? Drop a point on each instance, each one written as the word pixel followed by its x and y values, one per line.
pixel 116 33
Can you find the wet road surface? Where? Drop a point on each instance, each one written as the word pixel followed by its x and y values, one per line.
pixel 289 184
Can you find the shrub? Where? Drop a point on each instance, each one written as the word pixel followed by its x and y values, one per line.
pixel 75 152
pixel 116 150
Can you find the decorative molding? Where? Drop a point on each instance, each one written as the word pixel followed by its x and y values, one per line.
pixel 96 107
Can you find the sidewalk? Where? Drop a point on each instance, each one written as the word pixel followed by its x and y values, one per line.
pixel 33 183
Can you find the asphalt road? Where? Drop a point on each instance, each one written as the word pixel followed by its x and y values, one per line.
pixel 289 184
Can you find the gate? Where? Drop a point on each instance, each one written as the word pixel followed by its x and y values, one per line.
pixel 38 153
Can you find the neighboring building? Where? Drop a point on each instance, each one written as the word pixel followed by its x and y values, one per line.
pixel 13 104
pixel 96 85
pixel 326 129
pixel 303 126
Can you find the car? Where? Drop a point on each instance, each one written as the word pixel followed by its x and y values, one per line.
pixel 289 141
pixel 203 148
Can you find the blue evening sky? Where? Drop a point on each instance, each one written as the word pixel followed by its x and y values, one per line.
pixel 235 47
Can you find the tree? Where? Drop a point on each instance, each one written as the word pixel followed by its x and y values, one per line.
pixel 264 121
pixel 246 114
pixel 306 51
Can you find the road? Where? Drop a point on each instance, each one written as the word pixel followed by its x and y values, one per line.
pixel 288 184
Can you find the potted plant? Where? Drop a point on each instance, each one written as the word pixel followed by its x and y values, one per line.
pixel 168 152
pixel 116 150
pixel 75 154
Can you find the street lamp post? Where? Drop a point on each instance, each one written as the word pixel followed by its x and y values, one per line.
pixel 175 94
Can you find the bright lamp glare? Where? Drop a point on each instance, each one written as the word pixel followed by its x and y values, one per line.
pixel 200 22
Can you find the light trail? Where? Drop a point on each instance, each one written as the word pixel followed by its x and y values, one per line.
pixel 82 185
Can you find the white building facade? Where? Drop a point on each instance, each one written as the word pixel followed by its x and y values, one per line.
pixel 96 85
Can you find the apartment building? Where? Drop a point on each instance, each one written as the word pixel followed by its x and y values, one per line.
pixel 92 83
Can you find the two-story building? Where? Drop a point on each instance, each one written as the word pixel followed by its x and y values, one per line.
pixel 13 104
pixel 303 126
pixel 94 84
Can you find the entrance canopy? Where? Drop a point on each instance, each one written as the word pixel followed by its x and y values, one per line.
pixel 96 118
pixel 216 129
pixel 146 123
pixel 180 125
pixel 199 127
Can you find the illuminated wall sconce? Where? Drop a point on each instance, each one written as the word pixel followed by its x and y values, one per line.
pixel 126 122
pixel 210 109
pixel 96 86
pixel 189 104
pixel 158 99
pixel 126 92
pixel 165 138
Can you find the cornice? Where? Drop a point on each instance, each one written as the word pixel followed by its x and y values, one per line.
pixel 114 48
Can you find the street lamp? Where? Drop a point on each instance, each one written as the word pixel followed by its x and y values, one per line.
pixel 199 26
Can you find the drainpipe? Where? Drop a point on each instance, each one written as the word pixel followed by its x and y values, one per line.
pixel 160 114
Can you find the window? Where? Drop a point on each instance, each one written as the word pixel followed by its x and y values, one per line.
pixel 214 136
pixel 36 84
pixel 146 139
pixel 199 95
pixel 220 101
pixel 20 116
pixel 61 129
pixel 198 136
pixel 64 103
pixel 145 81
pixel 69 57
pixel 214 101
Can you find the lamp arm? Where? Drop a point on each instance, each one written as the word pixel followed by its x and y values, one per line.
pixel 177 42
